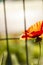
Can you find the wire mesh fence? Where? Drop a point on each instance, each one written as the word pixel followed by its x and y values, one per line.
pixel 8 59
pixel 11 51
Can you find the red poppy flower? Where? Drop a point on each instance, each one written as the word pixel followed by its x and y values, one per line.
pixel 35 30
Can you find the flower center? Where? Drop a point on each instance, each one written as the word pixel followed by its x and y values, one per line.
pixel 38 39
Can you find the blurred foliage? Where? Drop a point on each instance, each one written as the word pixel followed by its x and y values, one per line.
pixel 18 51
pixel 2 46
pixel 1 0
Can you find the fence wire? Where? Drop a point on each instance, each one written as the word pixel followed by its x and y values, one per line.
pixel 8 61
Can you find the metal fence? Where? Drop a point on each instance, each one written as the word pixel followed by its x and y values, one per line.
pixel 8 60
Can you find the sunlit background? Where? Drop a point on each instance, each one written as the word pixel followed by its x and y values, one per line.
pixel 15 15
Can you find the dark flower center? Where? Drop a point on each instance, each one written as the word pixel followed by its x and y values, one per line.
pixel 38 39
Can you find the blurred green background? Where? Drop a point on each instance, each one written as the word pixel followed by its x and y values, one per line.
pixel 18 51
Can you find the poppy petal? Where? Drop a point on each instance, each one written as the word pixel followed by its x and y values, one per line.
pixel 42 26
pixel 34 31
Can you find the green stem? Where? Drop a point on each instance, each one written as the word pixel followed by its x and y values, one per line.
pixel 40 54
